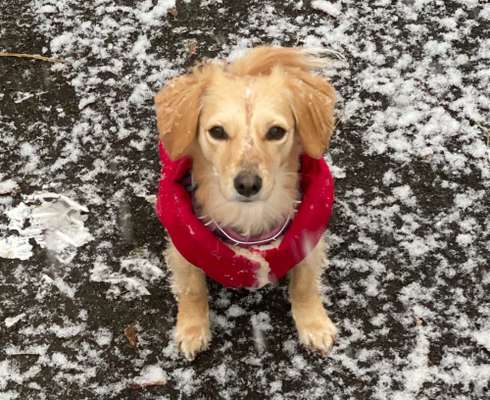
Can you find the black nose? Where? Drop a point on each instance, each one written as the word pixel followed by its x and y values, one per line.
pixel 247 183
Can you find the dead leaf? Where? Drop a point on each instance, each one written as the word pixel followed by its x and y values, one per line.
pixel 144 385
pixel 172 11
pixel 191 47
pixel 31 56
pixel 131 334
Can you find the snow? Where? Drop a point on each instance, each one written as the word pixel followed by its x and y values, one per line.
pixel 15 247
pixel 55 225
pixel 67 331
pixel 8 186
pixel 9 322
pixel 483 337
pixel 260 324
pixel 405 195
pixel 133 285
pixel 409 241
pixel 330 8
pixel 103 337
pixel 151 375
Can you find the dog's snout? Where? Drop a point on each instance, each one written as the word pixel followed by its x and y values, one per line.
pixel 247 183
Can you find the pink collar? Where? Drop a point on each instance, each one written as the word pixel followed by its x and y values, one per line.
pixel 254 266
pixel 237 239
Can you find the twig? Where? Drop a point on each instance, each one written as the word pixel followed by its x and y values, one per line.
pixel 486 132
pixel 28 96
pixel 31 56
pixel 144 385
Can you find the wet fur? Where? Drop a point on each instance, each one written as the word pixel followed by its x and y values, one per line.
pixel 267 87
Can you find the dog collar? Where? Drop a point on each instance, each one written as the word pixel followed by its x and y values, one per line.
pixel 235 238
pixel 231 265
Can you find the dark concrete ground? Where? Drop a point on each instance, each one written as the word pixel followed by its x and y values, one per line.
pixel 408 284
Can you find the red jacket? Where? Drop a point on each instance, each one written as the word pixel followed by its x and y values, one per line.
pixel 204 249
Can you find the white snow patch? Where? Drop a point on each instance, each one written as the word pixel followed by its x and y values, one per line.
pixel 8 372
pixel 135 286
pixel 235 311
pixel 103 337
pixel 417 247
pixel 146 268
pixel 332 9
pixel 337 172
pixel 485 12
pixel 223 374
pixel 8 186
pixel 15 247
pixel 152 16
pixel 151 375
pixel 405 194
pixel 54 221
pixel 67 331
pixel 464 239
pixel 185 380
pixel 86 101
pixel 11 321
pixel 463 200
pixel 261 323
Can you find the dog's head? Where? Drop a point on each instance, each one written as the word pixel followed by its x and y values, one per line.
pixel 249 120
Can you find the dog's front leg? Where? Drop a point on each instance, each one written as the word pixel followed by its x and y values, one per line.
pixel 315 329
pixel 189 286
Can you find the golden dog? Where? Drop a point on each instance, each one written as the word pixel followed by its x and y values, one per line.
pixel 245 125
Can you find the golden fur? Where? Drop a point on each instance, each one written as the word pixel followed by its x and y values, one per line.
pixel 269 87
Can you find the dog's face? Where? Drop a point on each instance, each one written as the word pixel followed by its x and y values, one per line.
pixel 245 124
pixel 247 132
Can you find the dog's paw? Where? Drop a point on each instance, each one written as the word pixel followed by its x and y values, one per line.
pixel 192 339
pixel 318 334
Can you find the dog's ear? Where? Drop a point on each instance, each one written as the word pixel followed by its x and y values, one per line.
pixel 313 101
pixel 177 107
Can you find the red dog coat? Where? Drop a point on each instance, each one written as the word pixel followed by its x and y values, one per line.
pixel 204 249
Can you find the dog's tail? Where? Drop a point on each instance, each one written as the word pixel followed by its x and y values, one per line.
pixel 262 60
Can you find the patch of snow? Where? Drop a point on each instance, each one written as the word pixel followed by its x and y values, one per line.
pixel 261 323
pixel 103 273
pixel 185 380
pixel 54 221
pixel 328 7
pixel 15 247
pixel 103 337
pixel 67 331
pixel 151 375
pixel 405 194
pixel 11 321
pixel 8 186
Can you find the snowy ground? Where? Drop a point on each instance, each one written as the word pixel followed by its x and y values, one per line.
pixel 80 246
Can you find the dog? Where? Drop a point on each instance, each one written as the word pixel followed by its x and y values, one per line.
pixel 245 125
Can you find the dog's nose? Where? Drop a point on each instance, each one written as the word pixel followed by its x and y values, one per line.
pixel 247 183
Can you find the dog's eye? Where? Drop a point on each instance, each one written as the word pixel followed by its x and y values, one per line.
pixel 275 133
pixel 218 133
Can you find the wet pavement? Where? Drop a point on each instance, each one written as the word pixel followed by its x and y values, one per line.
pixel 409 254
